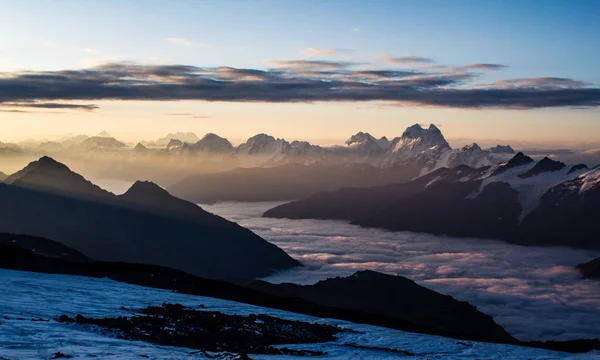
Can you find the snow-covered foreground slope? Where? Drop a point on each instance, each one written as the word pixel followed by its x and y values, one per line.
pixel 26 296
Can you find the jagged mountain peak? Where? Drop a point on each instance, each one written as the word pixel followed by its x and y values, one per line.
pixel 212 143
pixel 542 166
pixel 209 136
pixel 577 167
pixel 140 147
pixel 359 138
pixel 144 188
pixel 104 134
pixel 174 143
pixel 519 159
pixel 502 149
pixel 471 147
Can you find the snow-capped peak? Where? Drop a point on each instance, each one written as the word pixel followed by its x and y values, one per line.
pixel 472 147
pixel 360 138
pixel 416 140
pixel 263 144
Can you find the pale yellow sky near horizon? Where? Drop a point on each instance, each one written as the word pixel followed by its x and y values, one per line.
pixel 321 123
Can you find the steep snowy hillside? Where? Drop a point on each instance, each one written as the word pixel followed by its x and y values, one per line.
pixel 31 302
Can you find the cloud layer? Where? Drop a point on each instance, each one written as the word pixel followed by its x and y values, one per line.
pixel 534 292
pixel 298 81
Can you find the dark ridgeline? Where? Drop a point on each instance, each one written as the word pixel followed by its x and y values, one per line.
pixel 394 297
pixel 144 225
pixel 367 297
pixel 451 202
pixel 358 298
pixel 590 269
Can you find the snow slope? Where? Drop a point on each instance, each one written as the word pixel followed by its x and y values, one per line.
pixel 27 296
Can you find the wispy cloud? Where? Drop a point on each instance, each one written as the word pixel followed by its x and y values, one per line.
pixel 190 115
pixel 184 42
pixel 310 52
pixel 47 105
pixel 356 30
pixel 91 51
pixel 485 67
pixel 49 44
pixel 409 59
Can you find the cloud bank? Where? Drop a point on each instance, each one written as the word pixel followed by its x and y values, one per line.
pixel 534 292
pixel 297 81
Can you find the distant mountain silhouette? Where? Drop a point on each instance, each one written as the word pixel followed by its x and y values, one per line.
pixel 3 176
pixel 47 174
pixel 286 182
pixel 544 165
pixel 521 201
pixel 145 224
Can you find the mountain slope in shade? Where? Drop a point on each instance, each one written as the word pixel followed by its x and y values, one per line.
pixel 3 176
pixel 188 137
pixel 47 174
pixel 72 295
pixel 395 297
pixel 210 144
pixel 290 181
pixel 590 269
pixel 146 224
pixel 407 305
pixel 549 206
pixel 99 143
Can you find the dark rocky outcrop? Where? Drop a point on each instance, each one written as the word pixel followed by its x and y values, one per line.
pixel 519 159
pixel 577 168
pixel 175 325
pixel 590 269
pixel 544 165
pixel 361 298
pixel 395 297
pixel 322 300
pixel 145 225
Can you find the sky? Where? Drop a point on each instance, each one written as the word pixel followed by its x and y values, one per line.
pixel 522 71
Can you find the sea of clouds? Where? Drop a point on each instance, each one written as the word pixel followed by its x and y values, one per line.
pixel 533 292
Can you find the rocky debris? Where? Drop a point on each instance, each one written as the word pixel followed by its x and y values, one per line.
pixel 212 331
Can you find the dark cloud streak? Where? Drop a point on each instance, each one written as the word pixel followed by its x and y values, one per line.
pixel 295 81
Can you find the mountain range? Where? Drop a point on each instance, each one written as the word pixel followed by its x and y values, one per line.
pixel 521 200
pixel 146 224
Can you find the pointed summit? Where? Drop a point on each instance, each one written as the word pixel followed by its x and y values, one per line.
pixel 359 138
pixel 472 147
pixel 415 140
pixel 49 175
pixel 104 134
pixel 502 149
pixel 519 159
pixel 212 143
pixel 140 147
pixel 544 165
pixel 264 144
